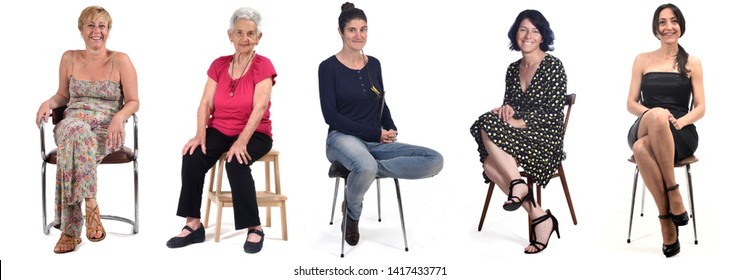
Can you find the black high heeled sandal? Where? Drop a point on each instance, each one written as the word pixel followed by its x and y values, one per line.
pixel 680 219
pixel 532 238
pixel 518 201
pixel 671 249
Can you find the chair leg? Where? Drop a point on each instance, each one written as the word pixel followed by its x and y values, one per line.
pixel 219 211
pixel 633 199
pixel 692 202
pixel 267 184
pixel 136 196
pixel 43 197
pixel 344 217
pixel 402 217
pixel 379 207
pixel 643 195
pixel 283 214
pixel 566 189
pixel 269 217
pixel 491 187
pixel 336 193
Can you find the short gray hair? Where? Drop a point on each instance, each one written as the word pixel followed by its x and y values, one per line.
pixel 247 14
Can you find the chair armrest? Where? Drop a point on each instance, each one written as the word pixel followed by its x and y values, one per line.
pixel 57 114
pixel 43 140
pixel 135 136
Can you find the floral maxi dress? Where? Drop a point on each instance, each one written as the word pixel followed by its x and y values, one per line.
pixel 81 142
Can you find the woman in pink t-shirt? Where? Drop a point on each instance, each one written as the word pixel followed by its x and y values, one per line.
pixel 233 118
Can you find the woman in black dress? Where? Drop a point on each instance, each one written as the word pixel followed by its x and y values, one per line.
pixel 662 85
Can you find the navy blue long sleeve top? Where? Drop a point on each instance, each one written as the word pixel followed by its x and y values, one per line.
pixel 348 102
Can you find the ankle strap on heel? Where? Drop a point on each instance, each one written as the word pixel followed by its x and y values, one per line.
pixel 673 187
pixel 664 217
pixel 516 182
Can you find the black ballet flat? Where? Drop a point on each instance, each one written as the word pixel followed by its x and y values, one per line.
pixel 195 236
pixel 254 247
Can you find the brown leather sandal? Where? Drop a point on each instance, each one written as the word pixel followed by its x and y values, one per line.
pixel 93 224
pixel 66 240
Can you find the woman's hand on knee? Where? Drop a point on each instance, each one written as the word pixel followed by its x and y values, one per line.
pixel 238 151
pixel 191 145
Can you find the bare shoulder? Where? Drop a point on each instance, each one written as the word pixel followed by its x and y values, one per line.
pixel 120 57
pixel 693 61
pixel 642 58
pixel 68 56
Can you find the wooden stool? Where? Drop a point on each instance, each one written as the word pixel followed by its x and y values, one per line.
pixel 265 198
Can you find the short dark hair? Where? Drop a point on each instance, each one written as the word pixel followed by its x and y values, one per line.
pixel 349 13
pixel 678 15
pixel 541 23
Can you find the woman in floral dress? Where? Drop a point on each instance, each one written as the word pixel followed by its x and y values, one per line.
pixel 91 83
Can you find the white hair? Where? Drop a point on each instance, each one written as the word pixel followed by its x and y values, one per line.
pixel 247 14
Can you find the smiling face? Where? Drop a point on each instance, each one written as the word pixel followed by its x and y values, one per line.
pixel 244 36
pixel 95 33
pixel 354 34
pixel 668 27
pixel 528 37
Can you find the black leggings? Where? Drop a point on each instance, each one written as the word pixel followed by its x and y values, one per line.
pixel 195 166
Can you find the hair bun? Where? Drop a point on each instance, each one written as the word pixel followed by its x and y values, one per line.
pixel 347 6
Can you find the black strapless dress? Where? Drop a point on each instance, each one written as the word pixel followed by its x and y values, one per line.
pixel 673 92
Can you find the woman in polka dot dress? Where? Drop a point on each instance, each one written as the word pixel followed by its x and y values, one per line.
pixel 527 129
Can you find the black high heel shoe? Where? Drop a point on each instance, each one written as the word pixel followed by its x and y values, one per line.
pixel 518 201
pixel 674 248
pixel 679 219
pixel 532 238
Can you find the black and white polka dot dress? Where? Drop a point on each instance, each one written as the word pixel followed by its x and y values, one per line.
pixel 537 148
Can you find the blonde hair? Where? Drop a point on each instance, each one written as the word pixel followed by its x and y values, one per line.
pixel 90 13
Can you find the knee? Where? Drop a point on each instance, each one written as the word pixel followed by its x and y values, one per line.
pixel 75 125
pixel 660 116
pixel 364 167
pixel 641 148
pixel 436 162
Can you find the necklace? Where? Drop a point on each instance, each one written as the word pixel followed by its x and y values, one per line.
pixel 235 83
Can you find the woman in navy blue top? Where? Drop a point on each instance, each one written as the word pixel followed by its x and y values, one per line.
pixel 361 132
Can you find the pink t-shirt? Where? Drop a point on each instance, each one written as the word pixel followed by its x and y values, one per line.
pixel 230 113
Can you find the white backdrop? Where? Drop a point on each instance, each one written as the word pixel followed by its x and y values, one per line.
pixel 444 64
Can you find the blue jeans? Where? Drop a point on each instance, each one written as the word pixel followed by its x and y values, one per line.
pixel 368 160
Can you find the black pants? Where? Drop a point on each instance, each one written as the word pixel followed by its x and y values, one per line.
pixel 195 166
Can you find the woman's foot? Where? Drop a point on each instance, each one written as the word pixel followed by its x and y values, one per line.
pixel 254 240
pixel 188 235
pixel 95 229
pixel 518 192
pixel 670 241
pixel 66 244
pixel 541 231
pixel 677 209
